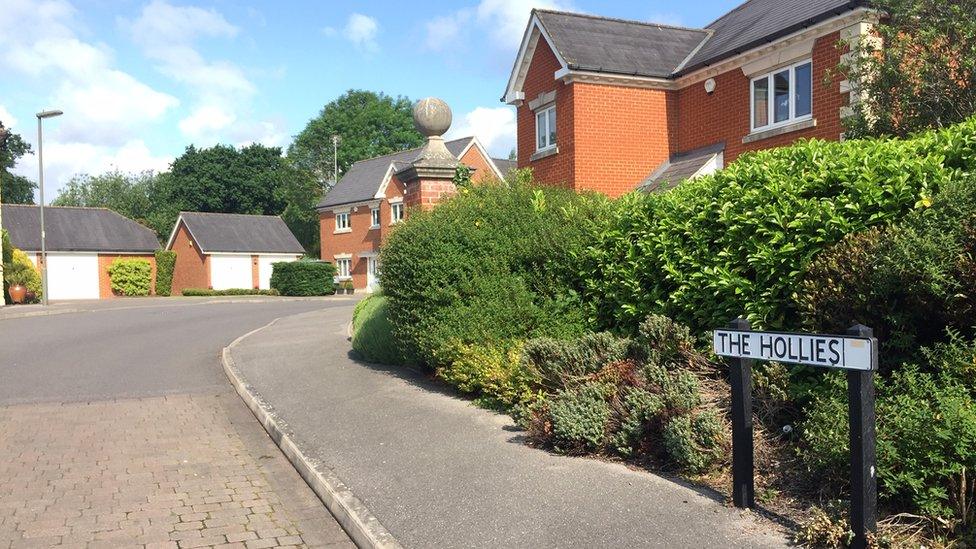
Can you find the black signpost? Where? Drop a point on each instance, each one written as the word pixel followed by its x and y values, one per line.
pixel 857 352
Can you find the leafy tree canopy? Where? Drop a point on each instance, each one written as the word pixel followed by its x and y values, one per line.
pixel 142 196
pixel 924 74
pixel 224 179
pixel 14 189
pixel 368 123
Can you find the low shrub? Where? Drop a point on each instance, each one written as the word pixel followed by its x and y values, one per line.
pixel 207 292
pixel 739 241
pixel 372 332
pixel 557 363
pixel 495 374
pixel 496 263
pixel 650 399
pixel 131 277
pixel 926 435
pixel 165 263
pixel 303 278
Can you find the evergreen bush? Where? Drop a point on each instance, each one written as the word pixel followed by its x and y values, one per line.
pixel 165 263
pixel 131 277
pixel 372 332
pixel 303 278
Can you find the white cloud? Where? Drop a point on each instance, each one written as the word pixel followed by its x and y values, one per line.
pixel 495 127
pixel 105 108
pixel 8 119
pixel 667 18
pixel 205 122
pixel 360 30
pixel 63 160
pixel 505 19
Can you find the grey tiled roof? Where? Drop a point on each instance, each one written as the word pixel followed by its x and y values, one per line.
pixel 617 46
pixel 70 229
pixel 364 178
pixel 679 168
pixel 757 22
pixel 505 165
pixel 219 232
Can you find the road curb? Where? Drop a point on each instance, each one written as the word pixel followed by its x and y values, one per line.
pixel 360 524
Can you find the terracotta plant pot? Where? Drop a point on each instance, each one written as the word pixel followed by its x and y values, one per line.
pixel 17 293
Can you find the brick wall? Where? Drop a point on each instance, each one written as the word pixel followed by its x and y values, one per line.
pixel 557 169
pixel 192 268
pixel 105 281
pixel 621 135
pixel 474 159
pixel 724 116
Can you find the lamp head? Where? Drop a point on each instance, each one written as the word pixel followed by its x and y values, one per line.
pixel 49 114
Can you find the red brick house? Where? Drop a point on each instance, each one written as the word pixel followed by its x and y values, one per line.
pixel 358 212
pixel 612 105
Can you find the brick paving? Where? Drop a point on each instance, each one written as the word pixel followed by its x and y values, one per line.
pixel 174 471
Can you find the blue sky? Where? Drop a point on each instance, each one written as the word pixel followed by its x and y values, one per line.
pixel 140 80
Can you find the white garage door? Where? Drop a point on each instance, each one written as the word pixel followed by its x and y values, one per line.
pixel 72 276
pixel 265 263
pixel 230 271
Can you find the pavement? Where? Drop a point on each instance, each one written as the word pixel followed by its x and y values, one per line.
pixel 118 428
pixel 438 472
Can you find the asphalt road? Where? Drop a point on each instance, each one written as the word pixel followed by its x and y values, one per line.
pixel 110 353
pixel 439 472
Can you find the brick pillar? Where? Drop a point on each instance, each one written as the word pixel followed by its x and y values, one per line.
pixel 430 177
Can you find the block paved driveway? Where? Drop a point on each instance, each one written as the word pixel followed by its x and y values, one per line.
pixel 119 429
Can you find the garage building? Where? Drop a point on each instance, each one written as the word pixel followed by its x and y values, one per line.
pixel 81 244
pixel 224 251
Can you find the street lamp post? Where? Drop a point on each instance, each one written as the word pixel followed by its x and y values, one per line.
pixel 3 147
pixel 40 187
pixel 335 158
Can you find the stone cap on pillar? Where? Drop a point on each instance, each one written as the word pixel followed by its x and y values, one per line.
pixel 432 118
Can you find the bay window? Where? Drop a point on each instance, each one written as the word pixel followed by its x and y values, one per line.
pixel 783 96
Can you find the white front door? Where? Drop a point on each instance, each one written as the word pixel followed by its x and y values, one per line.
pixel 72 276
pixel 230 271
pixel 266 267
pixel 372 274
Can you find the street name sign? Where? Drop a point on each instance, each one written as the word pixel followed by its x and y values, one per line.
pixel 856 352
pixel 828 351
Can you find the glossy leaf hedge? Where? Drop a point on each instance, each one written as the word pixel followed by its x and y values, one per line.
pixel 738 242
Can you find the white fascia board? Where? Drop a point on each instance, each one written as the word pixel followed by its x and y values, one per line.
pixel 381 193
pixel 172 234
pixel 530 40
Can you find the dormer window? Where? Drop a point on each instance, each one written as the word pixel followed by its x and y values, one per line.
pixel 545 128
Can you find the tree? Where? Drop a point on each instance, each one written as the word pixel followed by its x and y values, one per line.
pixel 143 196
pixel 916 70
pixel 369 124
pixel 14 189
pixel 228 180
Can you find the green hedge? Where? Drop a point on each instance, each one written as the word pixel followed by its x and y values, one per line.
pixel 165 263
pixel 303 278
pixel 131 277
pixel 495 263
pixel 207 292
pixel 372 334
pixel 739 241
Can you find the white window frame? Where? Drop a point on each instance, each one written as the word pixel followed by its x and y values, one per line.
pixel 345 225
pixel 771 103
pixel 374 216
pixel 396 212
pixel 543 113
pixel 339 263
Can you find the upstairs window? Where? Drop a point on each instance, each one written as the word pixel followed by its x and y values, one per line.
pixel 375 216
pixel 342 221
pixel 783 96
pixel 545 128
pixel 396 212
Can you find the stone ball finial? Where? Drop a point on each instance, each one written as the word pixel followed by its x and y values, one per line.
pixel 431 117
